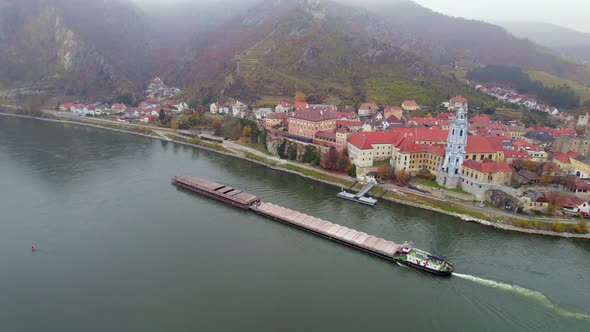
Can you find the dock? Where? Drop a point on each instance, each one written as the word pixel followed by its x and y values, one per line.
pixel 360 196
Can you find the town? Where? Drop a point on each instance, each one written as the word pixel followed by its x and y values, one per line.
pixel 457 153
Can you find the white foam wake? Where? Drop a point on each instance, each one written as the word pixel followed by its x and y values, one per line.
pixel 537 296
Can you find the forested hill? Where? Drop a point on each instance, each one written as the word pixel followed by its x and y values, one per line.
pixel 561 96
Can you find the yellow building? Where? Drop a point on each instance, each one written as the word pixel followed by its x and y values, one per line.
pixel 488 171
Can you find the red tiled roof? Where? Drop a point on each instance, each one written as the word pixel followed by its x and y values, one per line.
pixel 409 103
pixel 480 118
pixel 326 134
pixel 411 147
pixel 522 144
pixel 365 140
pixel 346 115
pixel 487 166
pixel 483 144
pixel 459 99
pixel 392 109
pixel 562 158
pixel 517 154
pixel 572 154
pixel 444 116
pixel 369 106
pixel 348 123
pixel 314 115
pixel 66 105
pixel 562 132
pixel 300 105
pixel 78 106
pixel 285 104
pixel 423 134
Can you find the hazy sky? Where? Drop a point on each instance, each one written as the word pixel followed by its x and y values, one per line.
pixel 573 14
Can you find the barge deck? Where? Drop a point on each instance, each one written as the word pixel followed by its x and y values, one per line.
pixel 216 190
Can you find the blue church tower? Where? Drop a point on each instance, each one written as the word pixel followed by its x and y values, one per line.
pixel 449 172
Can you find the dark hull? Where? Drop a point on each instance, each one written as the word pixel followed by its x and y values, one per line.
pixel 440 273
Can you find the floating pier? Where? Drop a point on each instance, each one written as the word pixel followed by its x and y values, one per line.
pixel 360 196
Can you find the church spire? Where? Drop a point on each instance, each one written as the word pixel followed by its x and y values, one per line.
pixel 450 168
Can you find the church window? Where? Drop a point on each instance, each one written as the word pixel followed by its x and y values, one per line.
pixel 456 171
pixel 461 133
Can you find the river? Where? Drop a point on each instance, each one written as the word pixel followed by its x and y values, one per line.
pixel 121 249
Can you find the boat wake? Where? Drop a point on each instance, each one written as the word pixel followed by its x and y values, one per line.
pixel 537 296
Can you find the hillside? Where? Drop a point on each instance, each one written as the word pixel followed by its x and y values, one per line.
pixel 553 81
pixel 570 42
pixel 324 50
pixel 72 47
pixel 449 40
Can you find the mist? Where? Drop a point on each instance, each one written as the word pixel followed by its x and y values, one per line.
pixel 566 13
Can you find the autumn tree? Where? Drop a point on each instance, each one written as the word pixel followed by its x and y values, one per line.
pixel 174 124
pixel 403 177
pixel 217 127
pixel 247 131
pixel 300 96
pixel 330 159
pixel 385 172
pixel 531 165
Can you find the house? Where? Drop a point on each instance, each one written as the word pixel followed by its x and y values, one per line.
pixel 390 111
pixel 283 107
pixel 119 108
pixel 456 103
pixel 78 109
pixel 488 171
pixel 526 177
pixel 563 161
pixel 511 155
pixel 214 108
pixel 351 126
pixel 65 107
pixel 542 138
pixel 300 105
pixel 262 113
pixel 581 166
pixel 537 153
pixel 239 109
pixel 480 119
pixel 181 106
pixel 516 131
pixel 276 120
pixel 144 119
pixel 410 105
pixel 308 122
pixel 576 206
pixel 367 109
pixel 577 185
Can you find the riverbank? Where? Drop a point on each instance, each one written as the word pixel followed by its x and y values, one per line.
pixel 398 195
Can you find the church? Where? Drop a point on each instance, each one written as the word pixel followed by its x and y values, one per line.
pixel 470 167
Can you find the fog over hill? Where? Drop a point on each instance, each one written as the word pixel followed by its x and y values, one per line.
pixel 349 47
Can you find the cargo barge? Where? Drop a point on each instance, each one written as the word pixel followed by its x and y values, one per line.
pixel 216 190
pixel 400 253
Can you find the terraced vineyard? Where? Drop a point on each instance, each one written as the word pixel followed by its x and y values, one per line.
pixel 249 59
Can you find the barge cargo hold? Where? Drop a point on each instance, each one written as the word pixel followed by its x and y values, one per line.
pixel 216 190
pixel 400 253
